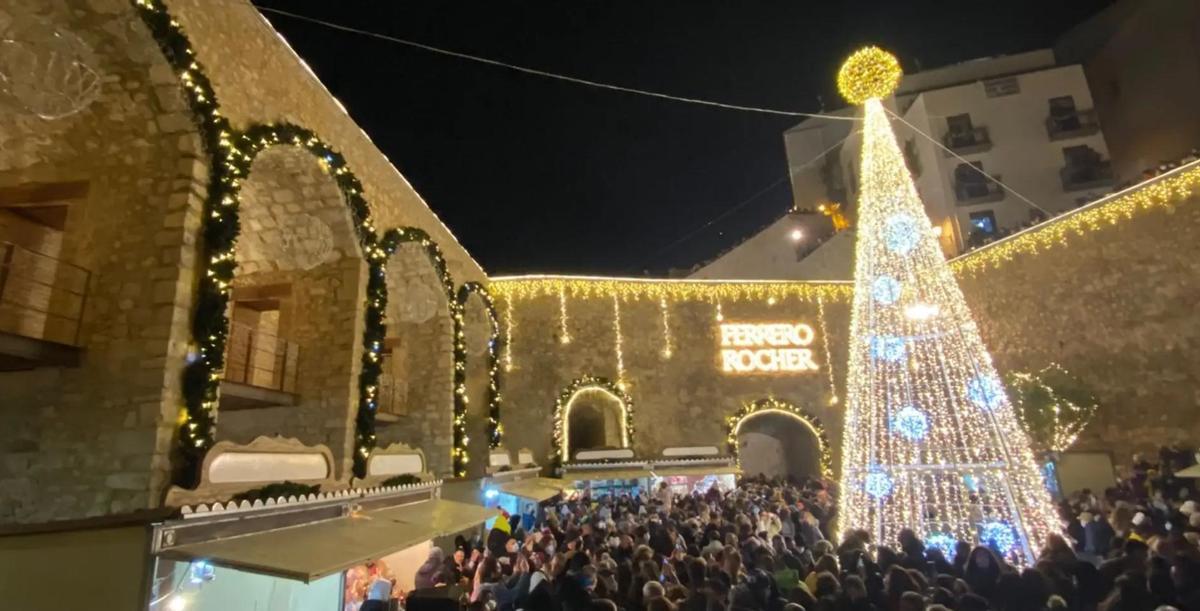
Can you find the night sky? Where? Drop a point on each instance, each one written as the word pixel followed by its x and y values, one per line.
pixel 537 175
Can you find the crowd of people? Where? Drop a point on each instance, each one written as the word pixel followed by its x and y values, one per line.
pixel 767 545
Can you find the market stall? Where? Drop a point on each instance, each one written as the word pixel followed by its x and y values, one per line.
pixel 326 550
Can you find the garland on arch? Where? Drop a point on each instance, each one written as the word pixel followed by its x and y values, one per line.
pixel 232 154
pixel 772 404
pixel 575 387
pixel 495 430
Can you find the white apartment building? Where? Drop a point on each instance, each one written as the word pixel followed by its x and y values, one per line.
pixel 1020 119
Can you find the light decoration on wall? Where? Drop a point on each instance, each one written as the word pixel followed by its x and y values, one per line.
pixel 720 316
pixel 1162 192
pixel 666 324
pixel 561 408
pixel 461 396
pixel 733 426
pixel 233 153
pixel 675 291
pixel 564 332
pixel 508 335
pixel 833 394
pixel 618 343
pixel 766 348
pixel 916 384
pixel 1052 405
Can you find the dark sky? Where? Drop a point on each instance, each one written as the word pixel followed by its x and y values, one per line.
pixel 537 175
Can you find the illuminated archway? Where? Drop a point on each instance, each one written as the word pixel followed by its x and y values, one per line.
pixel 567 398
pixel 775 406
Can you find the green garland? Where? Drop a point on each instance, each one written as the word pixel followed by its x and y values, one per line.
pixel 813 422
pixel 232 154
pixel 495 431
pixel 564 397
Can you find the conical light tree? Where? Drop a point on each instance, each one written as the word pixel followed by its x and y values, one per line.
pixel 931 440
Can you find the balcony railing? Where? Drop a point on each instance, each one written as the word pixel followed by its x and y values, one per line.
pixel 257 358
pixel 41 297
pixel 971 192
pixel 967 141
pixel 1072 125
pixel 1083 177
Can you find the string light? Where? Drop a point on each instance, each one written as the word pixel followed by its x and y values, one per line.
pixel 713 291
pixel 1051 419
pixel 924 405
pixel 618 342
pixel 1159 193
pixel 233 153
pixel 567 395
pixel 720 316
pixel 508 335
pixel 564 333
pixel 733 425
pixel 833 394
pixel 666 323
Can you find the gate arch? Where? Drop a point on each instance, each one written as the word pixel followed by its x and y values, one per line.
pixel 771 405
pixel 562 408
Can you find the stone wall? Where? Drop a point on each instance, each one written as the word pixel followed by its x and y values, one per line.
pixel 421 365
pixel 259 79
pixel 682 400
pixel 1116 307
pixel 96 439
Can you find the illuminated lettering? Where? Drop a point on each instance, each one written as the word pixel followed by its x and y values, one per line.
pixel 767 348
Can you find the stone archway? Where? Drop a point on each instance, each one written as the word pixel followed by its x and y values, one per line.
pixel 294 307
pixel 416 390
pixel 613 410
pixel 775 438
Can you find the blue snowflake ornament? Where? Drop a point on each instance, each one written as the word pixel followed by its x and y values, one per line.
pixel 901 233
pixel 887 348
pixel 885 290
pixel 998 535
pixel 910 423
pixel 986 392
pixel 942 542
pixel 878 484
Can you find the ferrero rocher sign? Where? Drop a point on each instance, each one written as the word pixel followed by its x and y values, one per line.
pixel 766 348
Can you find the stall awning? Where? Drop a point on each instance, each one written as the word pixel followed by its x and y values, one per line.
pixel 697 471
pixel 534 488
pixel 598 474
pixel 313 551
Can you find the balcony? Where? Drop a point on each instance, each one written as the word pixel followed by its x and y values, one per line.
pixel 981 191
pixel 1095 175
pixel 260 369
pixel 1074 124
pixel 967 141
pixel 41 309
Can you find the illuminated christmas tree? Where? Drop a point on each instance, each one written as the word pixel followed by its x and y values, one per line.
pixel 931 441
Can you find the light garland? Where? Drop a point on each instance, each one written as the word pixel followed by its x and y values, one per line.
pixel 461 398
pixel 833 394
pixel 1051 419
pixel 720 315
pixel 733 425
pixel 924 408
pixel 530 287
pixel 666 324
pixel 564 333
pixel 508 335
pixel 1159 193
pixel 232 154
pixel 567 395
pixel 618 343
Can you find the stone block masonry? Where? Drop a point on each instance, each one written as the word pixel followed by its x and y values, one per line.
pixel 1116 306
